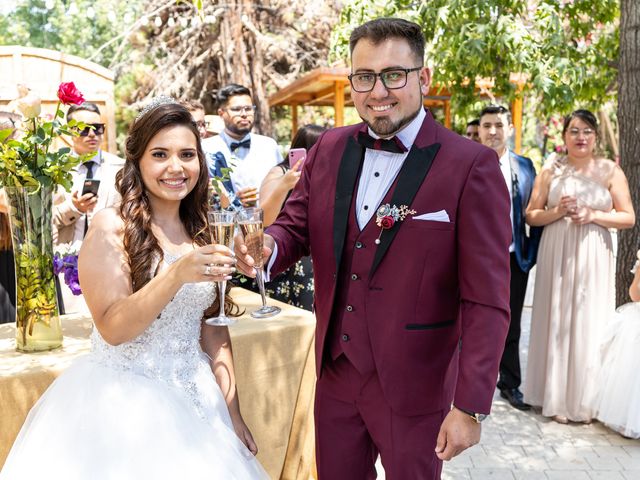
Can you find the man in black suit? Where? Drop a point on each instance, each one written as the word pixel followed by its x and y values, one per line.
pixel 519 174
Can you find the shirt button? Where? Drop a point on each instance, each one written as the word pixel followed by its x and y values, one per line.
pixel 366 207
pixel 359 245
pixel 345 337
pixel 377 174
pixel 349 308
pixel 354 276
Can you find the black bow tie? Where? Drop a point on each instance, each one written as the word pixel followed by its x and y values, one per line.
pixel 393 145
pixel 236 145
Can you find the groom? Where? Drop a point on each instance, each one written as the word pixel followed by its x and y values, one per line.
pixel 408 226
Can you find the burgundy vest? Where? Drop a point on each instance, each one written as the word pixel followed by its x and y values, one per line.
pixel 349 332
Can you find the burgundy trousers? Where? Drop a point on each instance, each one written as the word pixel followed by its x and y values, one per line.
pixel 354 424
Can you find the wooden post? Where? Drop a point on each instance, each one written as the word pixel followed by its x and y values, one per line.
pixel 338 103
pixel 516 113
pixel 294 119
pixel 447 114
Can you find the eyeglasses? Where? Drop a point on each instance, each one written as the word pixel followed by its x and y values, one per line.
pixel 201 125
pixel 575 132
pixel 240 110
pixel 97 128
pixel 391 79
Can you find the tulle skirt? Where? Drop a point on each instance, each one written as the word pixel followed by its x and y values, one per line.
pixel 100 423
pixel 618 404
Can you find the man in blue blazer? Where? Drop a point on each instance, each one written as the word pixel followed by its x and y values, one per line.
pixel 519 174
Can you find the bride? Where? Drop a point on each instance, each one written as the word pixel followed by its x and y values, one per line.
pixel 618 405
pixel 156 397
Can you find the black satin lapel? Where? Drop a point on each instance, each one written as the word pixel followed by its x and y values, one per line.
pixel 347 175
pixel 412 174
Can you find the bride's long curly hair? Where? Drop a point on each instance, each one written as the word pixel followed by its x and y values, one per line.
pixel 140 245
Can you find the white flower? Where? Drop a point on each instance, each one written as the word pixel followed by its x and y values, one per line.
pixel 29 105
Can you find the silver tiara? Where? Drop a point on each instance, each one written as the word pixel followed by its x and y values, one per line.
pixel 154 103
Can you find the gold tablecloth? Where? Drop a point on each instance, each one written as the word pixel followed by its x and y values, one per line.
pixel 274 368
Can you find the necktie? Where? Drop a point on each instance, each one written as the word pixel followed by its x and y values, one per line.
pixel 236 145
pixel 89 166
pixel 393 145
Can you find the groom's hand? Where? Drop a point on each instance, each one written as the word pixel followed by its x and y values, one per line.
pixel 245 261
pixel 457 433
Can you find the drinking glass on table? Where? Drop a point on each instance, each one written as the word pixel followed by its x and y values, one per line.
pixel 222 227
pixel 250 222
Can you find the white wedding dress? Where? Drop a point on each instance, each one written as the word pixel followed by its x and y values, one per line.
pixel 147 409
pixel 618 404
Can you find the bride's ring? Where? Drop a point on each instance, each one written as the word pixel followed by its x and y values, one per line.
pixel 207 270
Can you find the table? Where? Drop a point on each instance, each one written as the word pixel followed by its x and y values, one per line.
pixel 274 366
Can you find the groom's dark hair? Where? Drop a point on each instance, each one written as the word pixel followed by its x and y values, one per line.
pixel 381 29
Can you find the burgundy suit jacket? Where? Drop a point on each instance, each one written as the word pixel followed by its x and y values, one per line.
pixel 437 306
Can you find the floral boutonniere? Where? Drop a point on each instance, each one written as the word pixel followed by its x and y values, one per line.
pixel 387 215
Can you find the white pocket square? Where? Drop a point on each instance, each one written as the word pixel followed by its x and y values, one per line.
pixel 439 216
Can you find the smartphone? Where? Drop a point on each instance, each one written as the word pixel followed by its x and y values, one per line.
pixel 296 154
pixel 91 185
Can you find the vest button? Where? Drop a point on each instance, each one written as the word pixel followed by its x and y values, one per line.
pixel 359 245
pixel 354 276
pixel 345 337
pixel 349 308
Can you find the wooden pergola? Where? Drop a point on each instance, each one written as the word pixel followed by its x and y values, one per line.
pixel 329 87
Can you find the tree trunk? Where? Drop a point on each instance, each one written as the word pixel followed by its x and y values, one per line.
pixel 242 59
pixel 629 122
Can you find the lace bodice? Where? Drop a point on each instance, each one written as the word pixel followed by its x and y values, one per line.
pixel 591 192
pixel 169 349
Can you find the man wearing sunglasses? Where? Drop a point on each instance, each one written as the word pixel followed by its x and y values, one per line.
pixel 408 227
pixel 73 211
pixel 249 155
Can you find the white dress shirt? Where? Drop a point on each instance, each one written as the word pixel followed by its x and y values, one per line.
pixel 248 166
pixel 505 168
pixel 79 175
pixel 380 169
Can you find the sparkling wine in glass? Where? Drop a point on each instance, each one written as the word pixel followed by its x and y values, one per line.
pixel 250 222
pixel 222 227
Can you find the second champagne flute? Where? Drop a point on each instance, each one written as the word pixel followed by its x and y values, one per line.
pixel 222 227
pixel 250 222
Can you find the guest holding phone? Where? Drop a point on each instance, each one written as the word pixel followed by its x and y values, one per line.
pixel 72 212
pixel 93 188
pixel 295 285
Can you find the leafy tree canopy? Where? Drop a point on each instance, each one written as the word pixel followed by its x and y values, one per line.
pixel 567 49
pixel 77 27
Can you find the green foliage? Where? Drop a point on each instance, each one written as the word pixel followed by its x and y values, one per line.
pixel 30 161
pixel 567 48
pixel 78 27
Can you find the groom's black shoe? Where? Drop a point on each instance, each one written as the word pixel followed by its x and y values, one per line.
pixel 515 398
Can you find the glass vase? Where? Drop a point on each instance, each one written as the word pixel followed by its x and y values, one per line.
pixel 38 325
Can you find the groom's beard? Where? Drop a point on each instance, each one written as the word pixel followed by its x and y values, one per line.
pixel 384 127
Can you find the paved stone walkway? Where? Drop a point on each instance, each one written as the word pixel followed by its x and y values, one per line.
pixel 526 446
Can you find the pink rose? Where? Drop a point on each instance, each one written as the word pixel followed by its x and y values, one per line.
pixel 387 222
pixel 69 94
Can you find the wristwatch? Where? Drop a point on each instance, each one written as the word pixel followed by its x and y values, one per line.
pixel 478 417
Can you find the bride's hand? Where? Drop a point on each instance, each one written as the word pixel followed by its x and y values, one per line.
pixel 209 263
pixel 244 434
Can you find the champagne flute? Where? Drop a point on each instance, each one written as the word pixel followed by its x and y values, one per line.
pixel 222 227
pixel 250 222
